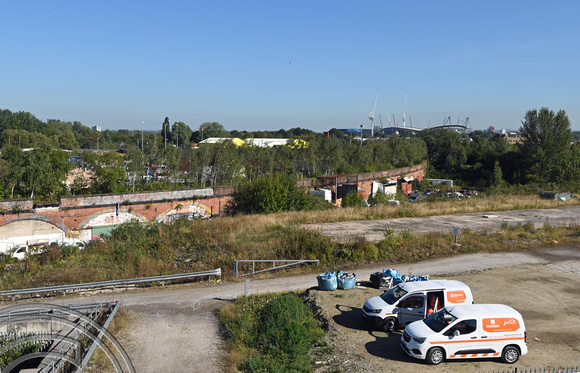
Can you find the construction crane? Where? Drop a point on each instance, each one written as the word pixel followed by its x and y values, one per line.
pixel 372 115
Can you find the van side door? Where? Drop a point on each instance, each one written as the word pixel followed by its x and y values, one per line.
pixel 462 339
pixel 411 308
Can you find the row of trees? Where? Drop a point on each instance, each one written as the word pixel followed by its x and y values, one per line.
pixel 547 154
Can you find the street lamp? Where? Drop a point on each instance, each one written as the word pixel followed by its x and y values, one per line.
pixel 361 127
pixel 142 147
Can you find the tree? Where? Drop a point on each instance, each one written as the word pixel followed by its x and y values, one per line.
pixel 546 145
pixel 210 129
pixel 180 134
pixel 267 194
pixel 165 130
pixel 445 153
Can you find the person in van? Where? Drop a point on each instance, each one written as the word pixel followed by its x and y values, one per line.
pixel 467 331
pixel 412 301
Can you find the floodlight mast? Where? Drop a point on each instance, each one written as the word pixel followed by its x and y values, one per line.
pixel 372 115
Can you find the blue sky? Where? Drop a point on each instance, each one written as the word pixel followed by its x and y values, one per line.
pixel 267 65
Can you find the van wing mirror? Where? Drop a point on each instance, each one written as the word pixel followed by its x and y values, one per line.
pixel 456 333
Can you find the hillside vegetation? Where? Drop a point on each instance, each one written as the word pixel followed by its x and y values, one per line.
pixel 136 250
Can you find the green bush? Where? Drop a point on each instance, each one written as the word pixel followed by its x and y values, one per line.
pixel 269 194
pixel 353 199
pixel 275 332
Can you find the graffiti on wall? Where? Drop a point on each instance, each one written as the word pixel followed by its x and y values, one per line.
pixel 187 210
pixel 111 217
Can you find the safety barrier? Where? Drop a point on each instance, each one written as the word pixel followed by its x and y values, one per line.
pixel 274 266
pixel 112 283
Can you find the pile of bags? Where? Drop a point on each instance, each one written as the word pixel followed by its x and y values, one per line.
pixel 390 277
pixel 333 280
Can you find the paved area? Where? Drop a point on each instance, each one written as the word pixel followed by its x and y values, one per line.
pixel 373 230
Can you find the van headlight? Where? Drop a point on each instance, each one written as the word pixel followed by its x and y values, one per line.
pixel 419 340
pixel 375 311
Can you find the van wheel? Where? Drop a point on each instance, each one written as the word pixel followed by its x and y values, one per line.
pixel 510 355
pixel 390 324
pixel 435 356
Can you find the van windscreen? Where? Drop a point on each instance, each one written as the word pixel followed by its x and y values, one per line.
pixel 393 294
pixel 439 320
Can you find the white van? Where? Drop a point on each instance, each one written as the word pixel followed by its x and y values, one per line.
pixel 412 301
pixel 467 331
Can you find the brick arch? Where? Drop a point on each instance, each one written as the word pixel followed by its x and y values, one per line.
pixel 187 209
pixel 111 216
pixel 39 217
pixel 31 227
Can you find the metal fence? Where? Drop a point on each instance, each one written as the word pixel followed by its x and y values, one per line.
pixel 540 370
pixel 287 263
pixel 110 284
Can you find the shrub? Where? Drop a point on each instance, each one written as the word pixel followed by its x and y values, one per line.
pixel 353 199
pixel 269 194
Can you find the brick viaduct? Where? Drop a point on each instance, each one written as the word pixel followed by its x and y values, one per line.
pixel 82 216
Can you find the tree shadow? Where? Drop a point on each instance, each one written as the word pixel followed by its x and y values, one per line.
pixel 388 346
pixel 385 345
pixel 350 317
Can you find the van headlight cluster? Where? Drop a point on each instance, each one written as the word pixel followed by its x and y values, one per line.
pixel 375 311
pixel 419 340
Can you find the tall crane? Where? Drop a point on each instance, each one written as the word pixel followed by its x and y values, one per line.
pixel 372 115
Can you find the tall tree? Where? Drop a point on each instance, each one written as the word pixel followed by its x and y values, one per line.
pixel 210 129
pixel 180 134
pixel 546 146
pixel 165 131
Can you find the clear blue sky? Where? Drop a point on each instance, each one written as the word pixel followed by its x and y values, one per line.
pixel 267 65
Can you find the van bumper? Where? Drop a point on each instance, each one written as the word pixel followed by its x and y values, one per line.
pixel 413 352
pixel 374 322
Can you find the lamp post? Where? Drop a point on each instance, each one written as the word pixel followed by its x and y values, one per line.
pixel 142 143
pixel 361 127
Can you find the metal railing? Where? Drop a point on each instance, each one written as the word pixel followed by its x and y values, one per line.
pixel 112 283
pixel 274 266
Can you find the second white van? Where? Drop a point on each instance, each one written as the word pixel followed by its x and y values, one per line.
pixel 412 301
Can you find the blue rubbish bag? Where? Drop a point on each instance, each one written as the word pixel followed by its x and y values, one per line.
pixel 327 281
pixel 396 276
pixel 346 280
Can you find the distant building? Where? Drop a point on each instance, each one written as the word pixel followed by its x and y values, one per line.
pixel 509 137
pixel 96 128
pixel 491 129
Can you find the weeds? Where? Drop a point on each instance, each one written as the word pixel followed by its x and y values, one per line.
pixel 270 333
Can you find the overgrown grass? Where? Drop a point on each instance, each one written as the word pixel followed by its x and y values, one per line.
pixel 269 333
pixel 136 250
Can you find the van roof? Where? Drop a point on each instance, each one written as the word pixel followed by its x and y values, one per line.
pixel 482 310
pixel 433 285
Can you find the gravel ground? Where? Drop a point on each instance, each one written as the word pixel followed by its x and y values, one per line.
pixel 547 296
